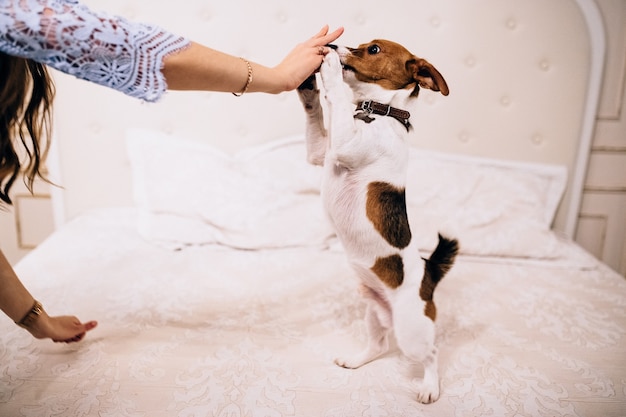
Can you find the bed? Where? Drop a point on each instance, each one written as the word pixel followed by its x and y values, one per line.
pixel 197 238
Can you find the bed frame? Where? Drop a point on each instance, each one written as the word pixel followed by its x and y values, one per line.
pixel 524 78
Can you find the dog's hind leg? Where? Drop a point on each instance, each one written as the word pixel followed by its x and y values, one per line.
pixel 378 322
pixel 316 135
pixel 414 321
pixel 427 388
pixel 415 334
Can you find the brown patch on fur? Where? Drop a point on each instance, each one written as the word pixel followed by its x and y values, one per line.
pixel 393 67
pixel 390 270
pixel 386 209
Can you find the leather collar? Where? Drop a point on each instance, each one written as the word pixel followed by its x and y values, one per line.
pixel 365 108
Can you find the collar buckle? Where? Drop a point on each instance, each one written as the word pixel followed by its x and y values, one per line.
pixel 366 106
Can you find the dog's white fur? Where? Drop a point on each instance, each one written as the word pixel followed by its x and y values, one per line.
pixel 356 154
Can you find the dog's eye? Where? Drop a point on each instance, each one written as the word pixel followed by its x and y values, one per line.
pixel 373 50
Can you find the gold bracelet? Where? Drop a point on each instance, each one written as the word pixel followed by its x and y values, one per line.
pixel 248 81
pixel 30 317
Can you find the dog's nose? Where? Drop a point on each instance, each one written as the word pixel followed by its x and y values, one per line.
pixel 330 45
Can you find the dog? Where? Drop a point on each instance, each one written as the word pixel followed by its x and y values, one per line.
pixel 364 154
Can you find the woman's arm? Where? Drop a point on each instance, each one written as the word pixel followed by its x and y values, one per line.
pixel 140 60
pixel 16 302
pixel 198 67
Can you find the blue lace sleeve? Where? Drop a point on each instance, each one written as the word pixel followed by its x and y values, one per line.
pixel 110 51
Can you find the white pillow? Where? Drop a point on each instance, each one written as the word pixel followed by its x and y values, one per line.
pixel 268 197
pixel 190 193
pixel 493 207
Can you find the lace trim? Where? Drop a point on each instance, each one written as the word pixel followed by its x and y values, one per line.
pixel 108 50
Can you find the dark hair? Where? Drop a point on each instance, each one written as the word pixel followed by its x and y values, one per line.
pixel 26 94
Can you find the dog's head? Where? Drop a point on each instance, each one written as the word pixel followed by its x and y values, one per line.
pixel 390 66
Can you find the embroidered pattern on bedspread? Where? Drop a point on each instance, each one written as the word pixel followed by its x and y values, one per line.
pixel 233 332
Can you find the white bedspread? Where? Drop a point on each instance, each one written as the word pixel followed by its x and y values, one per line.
pixel 214 331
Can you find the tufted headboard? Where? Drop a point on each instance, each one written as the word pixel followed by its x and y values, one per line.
pixel 524 81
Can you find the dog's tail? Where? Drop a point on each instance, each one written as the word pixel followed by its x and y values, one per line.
pixel 439 263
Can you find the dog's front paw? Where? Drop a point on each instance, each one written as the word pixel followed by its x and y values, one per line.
pixel 331 71
pixel 308 84
pixel 309 94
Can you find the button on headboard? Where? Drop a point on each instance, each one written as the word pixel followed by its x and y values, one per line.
pixel 523 76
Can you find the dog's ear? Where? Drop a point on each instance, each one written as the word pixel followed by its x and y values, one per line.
pixel 426 76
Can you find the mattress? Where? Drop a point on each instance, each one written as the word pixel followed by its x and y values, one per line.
pixel 204 312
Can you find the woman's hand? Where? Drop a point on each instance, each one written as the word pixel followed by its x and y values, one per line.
pixel 306 58
pixel 66 329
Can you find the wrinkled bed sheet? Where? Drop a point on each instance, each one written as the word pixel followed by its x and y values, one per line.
pixel 214 331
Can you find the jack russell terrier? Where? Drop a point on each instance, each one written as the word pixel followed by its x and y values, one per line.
pixel 365 156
